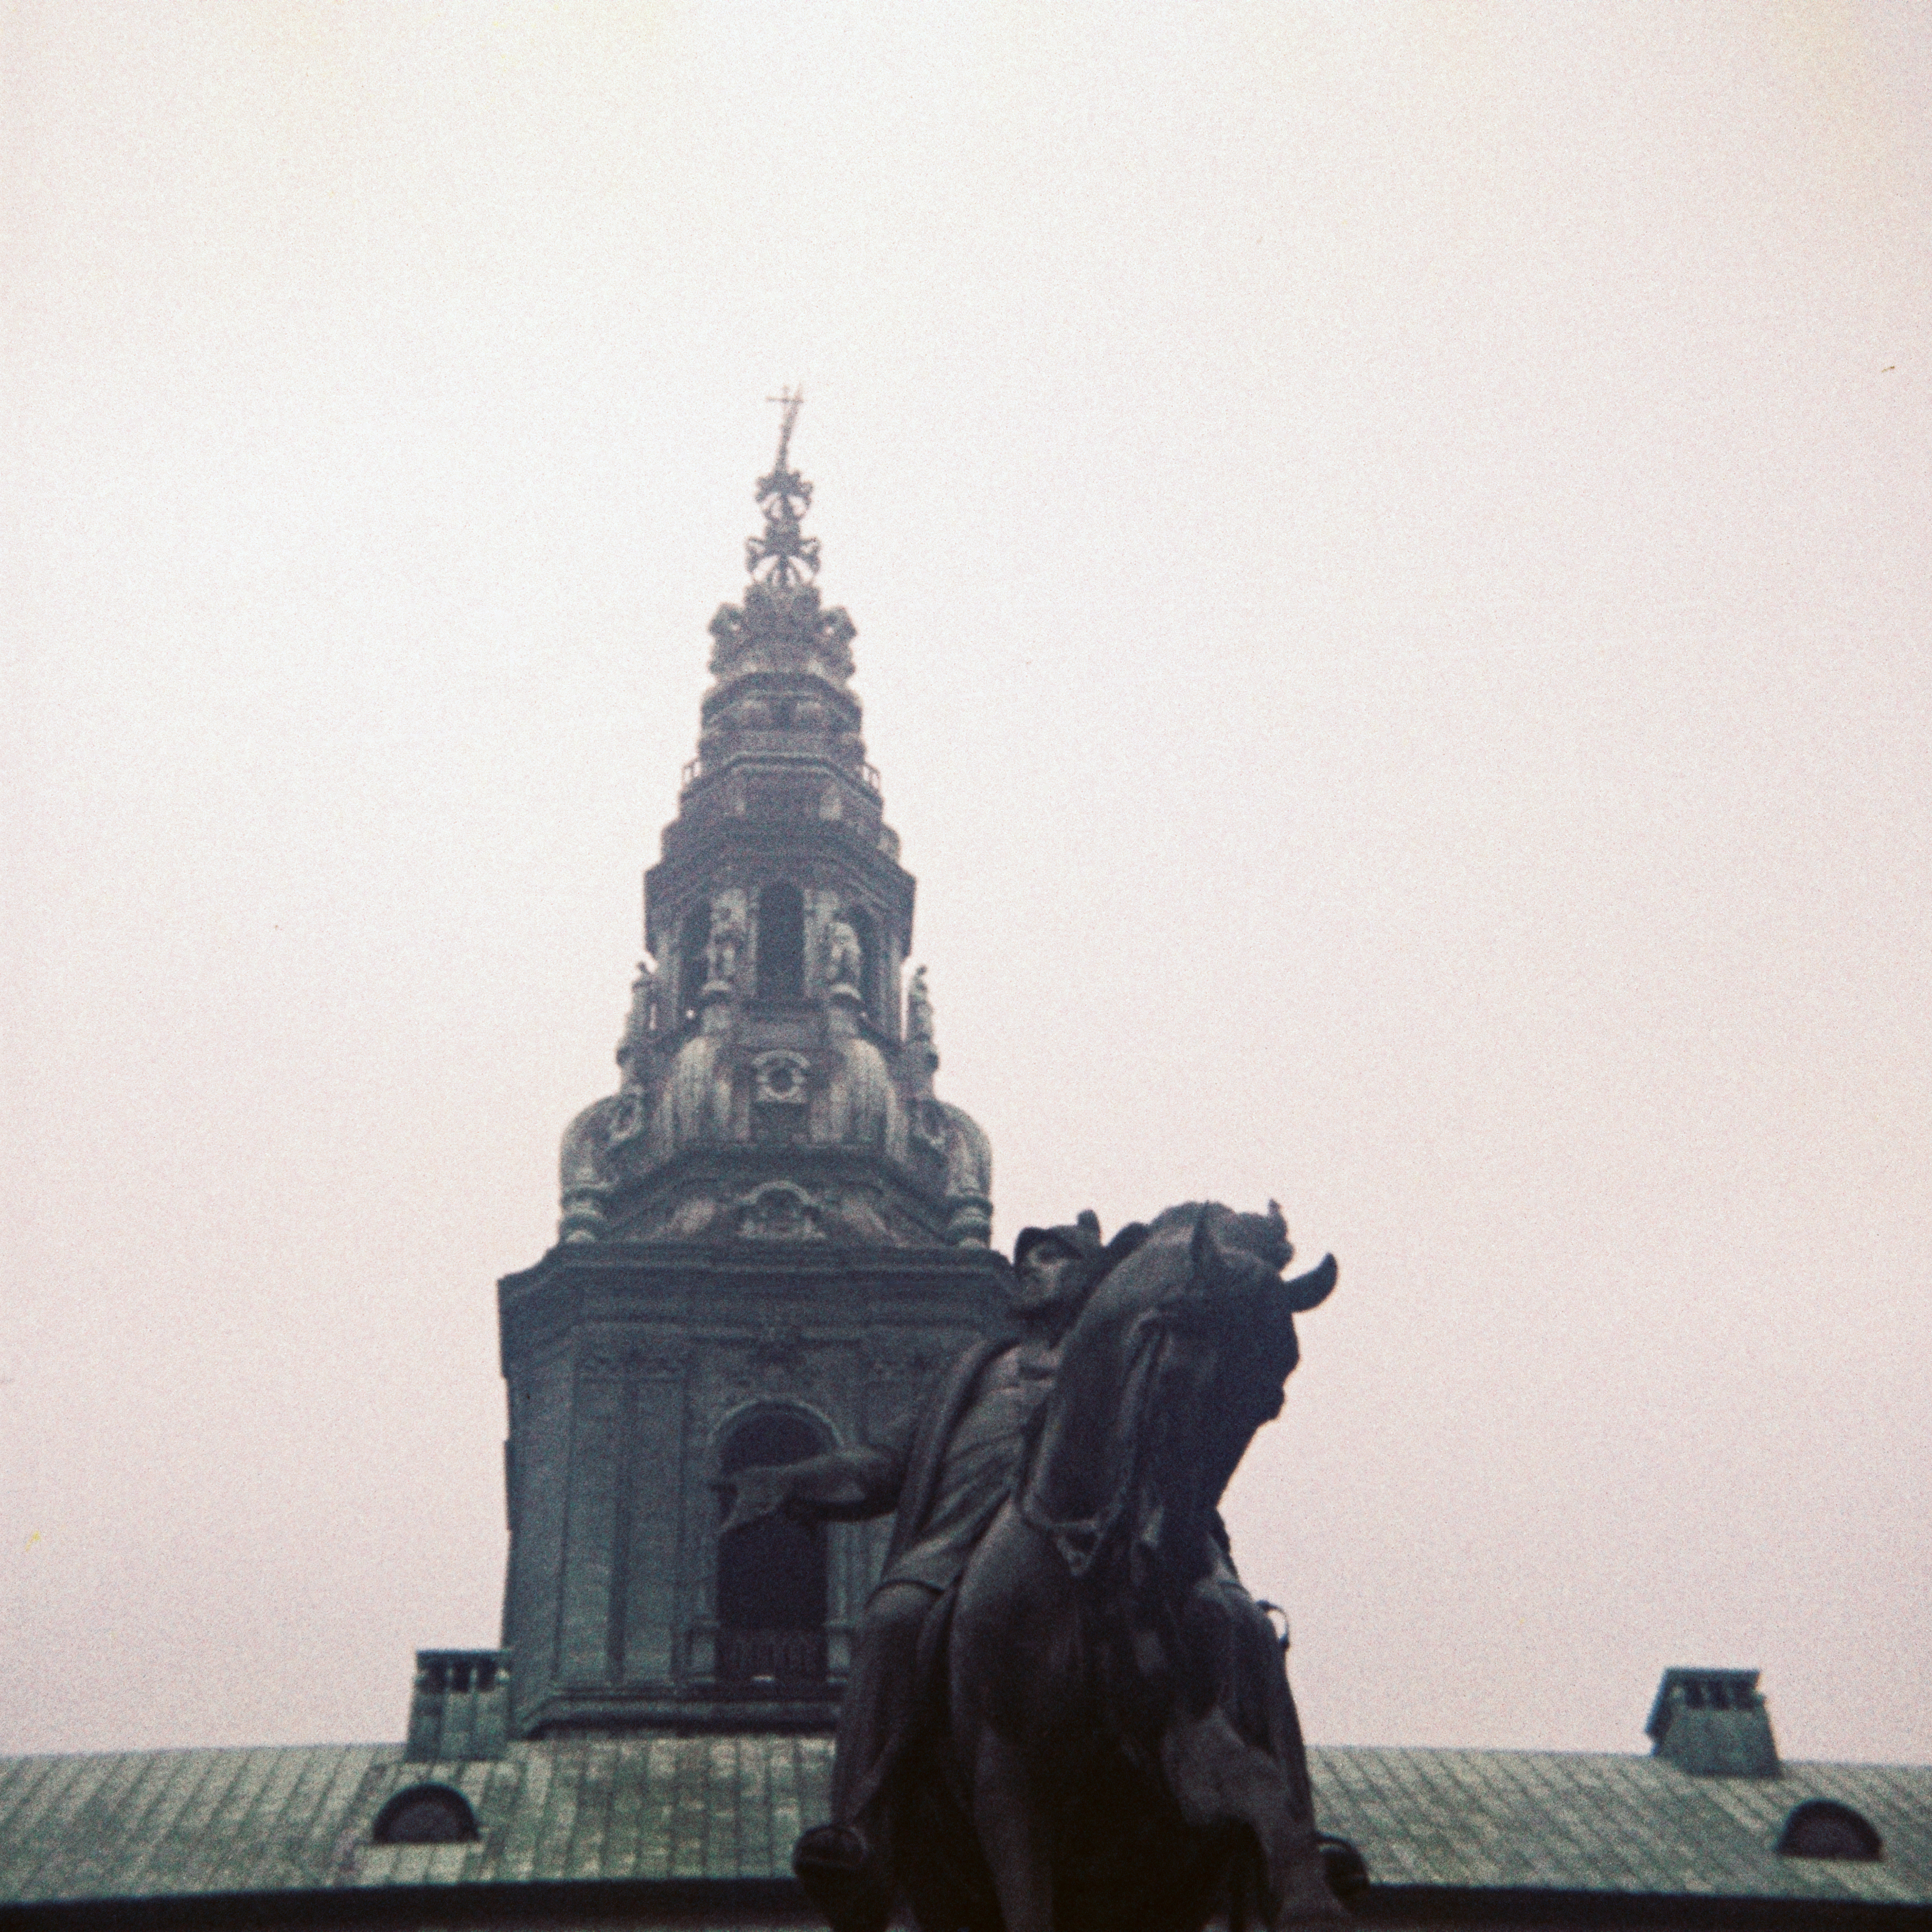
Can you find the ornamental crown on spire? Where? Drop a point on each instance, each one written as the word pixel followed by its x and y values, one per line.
pixel 784 556
pixel 781 625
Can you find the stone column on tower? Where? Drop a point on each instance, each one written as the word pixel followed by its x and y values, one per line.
pixel 773 1234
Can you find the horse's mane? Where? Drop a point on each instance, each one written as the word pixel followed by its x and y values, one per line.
pixel 1264 1236
pixel 1183 1214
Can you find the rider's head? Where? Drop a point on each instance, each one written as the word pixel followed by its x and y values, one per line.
pixel 1054 1268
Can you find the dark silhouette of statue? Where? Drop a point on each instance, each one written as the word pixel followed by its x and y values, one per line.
pixel 945 1471
pixel 1066 1714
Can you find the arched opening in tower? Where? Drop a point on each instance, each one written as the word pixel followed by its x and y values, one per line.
pixel 692 966
pixel 781 942
pixel 772 1574
pixel 867 934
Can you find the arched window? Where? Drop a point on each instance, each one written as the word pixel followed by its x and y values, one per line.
pixel 692 966
pixel 425 1814
pixel 771 1575
pixel 867 934
pixel 781 942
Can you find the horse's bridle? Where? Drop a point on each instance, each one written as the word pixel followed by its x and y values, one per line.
pixel 1082 1541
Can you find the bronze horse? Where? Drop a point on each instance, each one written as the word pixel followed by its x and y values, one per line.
pixel 1118 1748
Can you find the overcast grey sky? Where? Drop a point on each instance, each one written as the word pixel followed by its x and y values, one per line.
pixel 1390 546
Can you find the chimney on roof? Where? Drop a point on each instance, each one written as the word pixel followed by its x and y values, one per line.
pixel 1712 1724
pixel 459 1707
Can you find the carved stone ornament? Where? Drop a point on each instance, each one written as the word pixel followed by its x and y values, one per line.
pixel 691 1218
pixel 900 1362
pixel 919 1008
pixel 627 1117
pixel 663 1361
pixel 654 1361
pixel 638 1022
pixel 583 1172
pixel 781 628
pixel 854 1216
pixel 780 1210
pixel 929 1128
pixel 779 1345
pixel 844 960
pixel 781 1077
pixel 722 951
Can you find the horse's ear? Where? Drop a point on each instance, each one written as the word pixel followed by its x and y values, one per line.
pixel 1203 1252
pixel 1278 1228
pixel 1310 1290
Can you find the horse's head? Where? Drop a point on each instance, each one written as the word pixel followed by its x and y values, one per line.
pixel 1180 1356
pixel 1237 1343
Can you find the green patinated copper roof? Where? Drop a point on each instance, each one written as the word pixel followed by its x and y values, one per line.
pixel 143 1824
pixel 1572 1821
pixel 140 1823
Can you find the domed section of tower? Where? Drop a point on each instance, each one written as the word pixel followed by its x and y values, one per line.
pixel 773 1235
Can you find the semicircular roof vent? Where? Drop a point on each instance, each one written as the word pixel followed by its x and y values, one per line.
pixel 425 1814
pixel 1821 1828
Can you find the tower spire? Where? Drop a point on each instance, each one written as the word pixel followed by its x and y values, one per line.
pixel 771 1233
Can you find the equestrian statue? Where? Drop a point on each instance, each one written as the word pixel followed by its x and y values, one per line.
pixel 1066 1714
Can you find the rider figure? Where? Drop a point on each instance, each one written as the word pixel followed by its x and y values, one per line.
pixel 945 1469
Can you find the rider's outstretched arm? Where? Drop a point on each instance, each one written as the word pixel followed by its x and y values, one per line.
pixel 846 1486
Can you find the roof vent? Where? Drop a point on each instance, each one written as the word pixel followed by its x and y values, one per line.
pixel 1821 1828
pixel 425 1814
pixel 1713 1723
pixel 461 1705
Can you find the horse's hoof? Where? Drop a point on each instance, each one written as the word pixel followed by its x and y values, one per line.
pixel 839 1848
pixel 833 1863
pixel 1346 1871
pixel 1320 1890
pixel 1311 1905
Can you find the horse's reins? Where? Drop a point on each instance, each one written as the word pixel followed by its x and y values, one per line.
pixel 1081 1541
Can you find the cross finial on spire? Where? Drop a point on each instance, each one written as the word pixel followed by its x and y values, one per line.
pixel 784 556
pixel 791 398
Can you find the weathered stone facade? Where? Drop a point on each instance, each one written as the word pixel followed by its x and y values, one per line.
pixel 773 1226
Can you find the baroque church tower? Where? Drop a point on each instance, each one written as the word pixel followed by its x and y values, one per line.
pixel 773 1233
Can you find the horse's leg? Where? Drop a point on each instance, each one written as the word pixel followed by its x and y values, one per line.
pixel 847 1866
pixel 1011 1700
pixel 1009 1828
pixel 1217 1780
